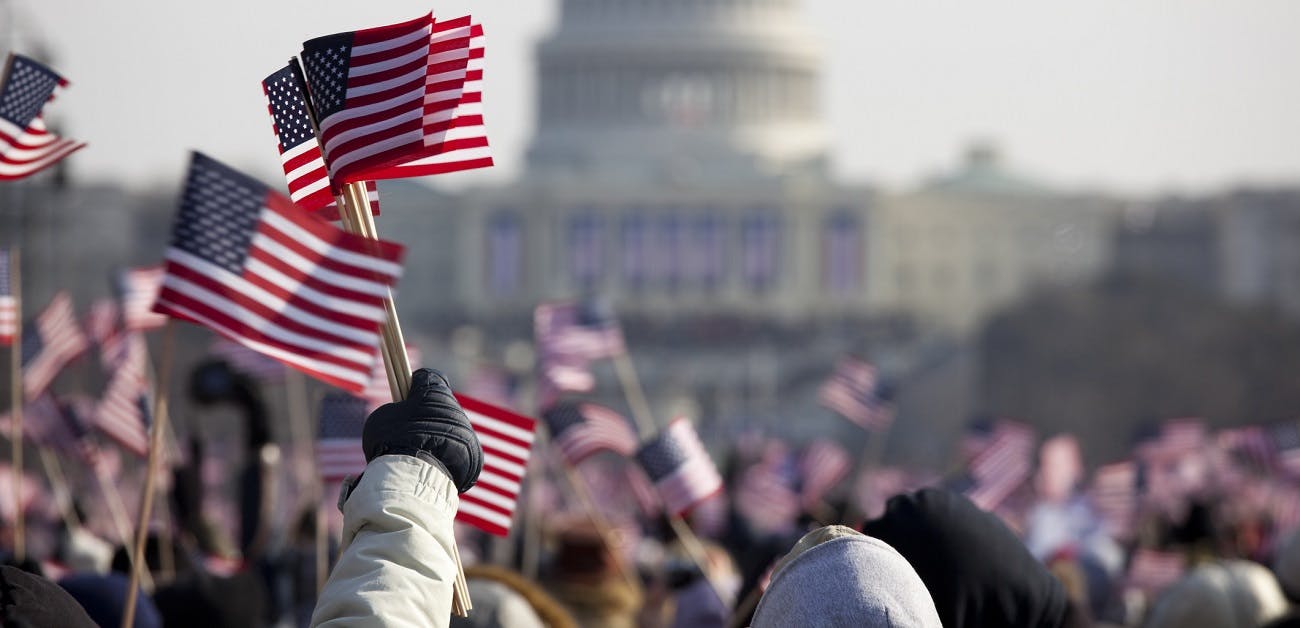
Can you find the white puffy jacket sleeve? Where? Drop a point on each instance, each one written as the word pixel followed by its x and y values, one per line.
pixel 396 567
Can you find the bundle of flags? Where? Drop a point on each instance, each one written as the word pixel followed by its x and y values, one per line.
pixel 26 144
pixel 856 392
pixel 246 263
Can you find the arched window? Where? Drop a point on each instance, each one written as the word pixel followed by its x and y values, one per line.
pixel 586 248
pixel 761 254
pixel 842 254
pixel 504 254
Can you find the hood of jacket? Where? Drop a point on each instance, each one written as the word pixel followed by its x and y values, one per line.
pixel 839 577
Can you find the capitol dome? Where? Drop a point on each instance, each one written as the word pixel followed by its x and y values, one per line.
pixel 637 89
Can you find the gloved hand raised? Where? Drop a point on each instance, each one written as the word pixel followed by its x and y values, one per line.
pixel 429 425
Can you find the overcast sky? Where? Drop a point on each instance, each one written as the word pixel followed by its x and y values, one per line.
pixel 1143 97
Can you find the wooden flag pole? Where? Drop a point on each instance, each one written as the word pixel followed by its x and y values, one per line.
pixel 59 483
pixel 354 212
pixel 354 209
pixel 646 427
pixel 645 422
pixel 155 451
pixel 16 399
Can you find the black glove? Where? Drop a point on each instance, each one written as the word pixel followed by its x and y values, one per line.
pixel 429 425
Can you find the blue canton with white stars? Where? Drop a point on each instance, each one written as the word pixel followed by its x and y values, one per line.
pixel 27 89
pixel 325 60
pixel 662 456
pixel 33 344
pixel 342 416
pixel 5 288
pixel 219 214
pixel 562 417
pixel 288 108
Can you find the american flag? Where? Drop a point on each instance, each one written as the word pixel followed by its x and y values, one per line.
pixel 247 361
pixel 855 392
pixel 124 412
pixel 8 302
pixel 823 465
pixel 507 439
pixel 1250 444
pixel 1286 440
pixel 1151 571
pixel 140 288
pixel 766 494
pixel 453 106
pixel 338 444
pixel 582 429
pixel 58 426
pixel 387 96
pixel 1003 465
pixel 248 264
pixel 304 168
pixel 26 145
pixel 1115 496
pixel 679 467
pixel 571 331
pixel 50 344
pixel 1182 437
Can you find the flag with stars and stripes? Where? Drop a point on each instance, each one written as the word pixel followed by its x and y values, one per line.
pixel 1003 466
pixel 101 325
pixel 1286 443
pixel 1152 571
pixel 54 340
pixel 248 264
pixel 59 426
pixel 454 103
pixel 678 466
pixel 572 331
pixel 247 361
pixel 338 443
pixel 823 465
pixel 26 145
pixel 125 410
pixel 767 495
pixel 507 438
pixel 387 96
pixel 856 392
pixel 581 429
pixel 8 302
pixel 1114 494
pixel 304 167
pixel 140 287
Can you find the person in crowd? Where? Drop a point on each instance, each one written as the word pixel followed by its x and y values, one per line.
pixel 586 577
pixel 505 599
pixel 836 576
pixel 104 599
pixel 396 566
pixel 1223 594
pixel 978 573
pixel 30 601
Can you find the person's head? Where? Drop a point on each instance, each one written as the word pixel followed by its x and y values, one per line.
pixel 836 576
pixel 977 571
pixel 30 601
pixel 1228 594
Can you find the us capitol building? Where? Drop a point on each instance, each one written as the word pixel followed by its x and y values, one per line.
pixel 680 168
